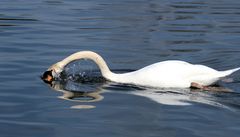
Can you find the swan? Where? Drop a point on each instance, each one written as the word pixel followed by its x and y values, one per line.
pixel 165 74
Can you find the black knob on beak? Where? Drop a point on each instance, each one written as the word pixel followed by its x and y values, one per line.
pixel 47 77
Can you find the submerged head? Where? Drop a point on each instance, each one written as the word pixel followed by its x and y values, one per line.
pixel 52 73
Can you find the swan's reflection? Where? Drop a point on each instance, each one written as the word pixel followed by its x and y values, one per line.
pixel 181 97
pixel 72 91
pixel 85 93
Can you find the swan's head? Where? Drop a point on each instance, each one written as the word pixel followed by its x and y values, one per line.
pixel 52 73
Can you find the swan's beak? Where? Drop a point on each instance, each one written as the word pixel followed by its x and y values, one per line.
pixel 52 73
pixel 47 76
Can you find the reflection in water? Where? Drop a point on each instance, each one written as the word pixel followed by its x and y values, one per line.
pixel 70 93
pixel 180 97
pixel 77 96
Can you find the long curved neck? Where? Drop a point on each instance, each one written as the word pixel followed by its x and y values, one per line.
pixel 88 55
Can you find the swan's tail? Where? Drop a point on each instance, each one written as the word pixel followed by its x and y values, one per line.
pixel 228 72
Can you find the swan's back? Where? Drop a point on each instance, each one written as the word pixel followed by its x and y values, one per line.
pixel 173 73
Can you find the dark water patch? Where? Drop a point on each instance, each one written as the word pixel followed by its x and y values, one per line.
pixel 53 2
pixel 94 28
pixel 189 12
pixel 185 30
pixel 7 25
pixel 229 32
pixel 184 6
pixel 192 2
pixel 231 7
pixel 230 13
pixel 198 41
pixel 230 27
pixel 17 19
pixel 185 50
pixel 193 25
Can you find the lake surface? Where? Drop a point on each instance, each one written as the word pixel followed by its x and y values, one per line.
pixel 129 34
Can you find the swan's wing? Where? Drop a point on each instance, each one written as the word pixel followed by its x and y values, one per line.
pixel 176 74
pixel 163 74
pixel 173 74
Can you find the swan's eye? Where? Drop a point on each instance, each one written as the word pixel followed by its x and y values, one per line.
pixel 47 76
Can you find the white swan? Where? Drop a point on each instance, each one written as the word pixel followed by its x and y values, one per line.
pixel 166 74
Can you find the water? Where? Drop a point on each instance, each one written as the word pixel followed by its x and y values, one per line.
pixel 129 34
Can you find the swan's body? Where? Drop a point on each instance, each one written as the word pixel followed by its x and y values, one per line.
pixel 173 73
pixel 166 74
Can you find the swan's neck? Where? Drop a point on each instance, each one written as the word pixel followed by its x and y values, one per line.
pixel 92 56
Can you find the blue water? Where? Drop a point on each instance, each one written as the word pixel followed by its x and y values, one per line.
pixel 129 34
